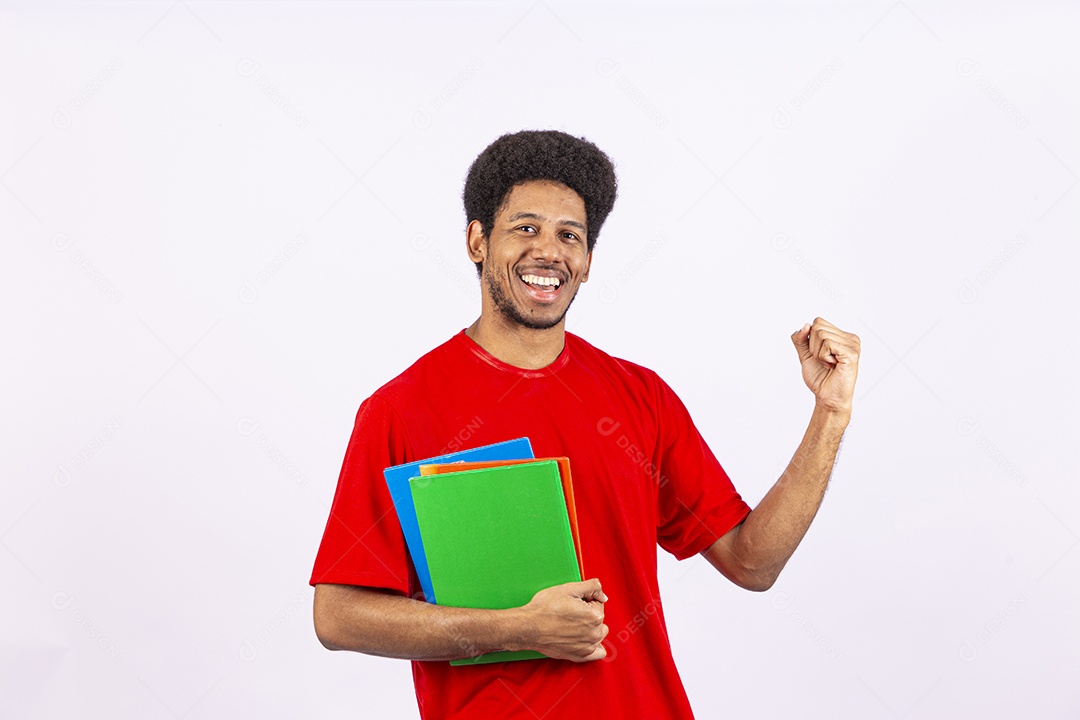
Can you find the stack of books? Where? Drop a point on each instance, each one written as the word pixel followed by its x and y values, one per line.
pixel 488 527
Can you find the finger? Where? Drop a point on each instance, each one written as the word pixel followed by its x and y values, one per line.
pixel 801 340
pixel 824 350
pixel 833 338
pixel 598 654
pixel 838 347
pixel 817 340
pixel 589 590
pixel 847 343
pixel 824 328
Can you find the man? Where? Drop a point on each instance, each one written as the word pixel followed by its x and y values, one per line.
pixel 535 203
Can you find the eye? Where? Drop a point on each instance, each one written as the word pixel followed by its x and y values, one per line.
pixel 571 236
pixel 527 228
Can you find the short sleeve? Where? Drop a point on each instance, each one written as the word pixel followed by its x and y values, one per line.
pixel 362 543
pixel 696 501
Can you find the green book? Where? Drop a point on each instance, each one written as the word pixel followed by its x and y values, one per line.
pixel 495 537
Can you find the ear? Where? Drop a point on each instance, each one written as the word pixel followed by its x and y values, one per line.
pixel 588 265
pixel 475 242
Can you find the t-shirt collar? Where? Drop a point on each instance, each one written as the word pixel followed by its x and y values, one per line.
pixel 480 353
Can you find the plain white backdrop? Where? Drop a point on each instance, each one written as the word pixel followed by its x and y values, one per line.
pixel 224 225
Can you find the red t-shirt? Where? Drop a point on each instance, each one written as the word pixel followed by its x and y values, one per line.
pixel 642 476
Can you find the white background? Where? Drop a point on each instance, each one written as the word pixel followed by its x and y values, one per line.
pixel 224 225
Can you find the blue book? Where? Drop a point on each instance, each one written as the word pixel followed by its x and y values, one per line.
pixel 397 480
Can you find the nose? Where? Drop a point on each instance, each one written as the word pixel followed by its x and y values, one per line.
pixel 546 246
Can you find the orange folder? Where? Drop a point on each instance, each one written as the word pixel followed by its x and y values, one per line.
pixel 564 475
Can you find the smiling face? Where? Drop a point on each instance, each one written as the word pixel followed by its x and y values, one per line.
pixel 536 257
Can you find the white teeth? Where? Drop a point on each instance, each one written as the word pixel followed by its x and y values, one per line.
pixel 537 280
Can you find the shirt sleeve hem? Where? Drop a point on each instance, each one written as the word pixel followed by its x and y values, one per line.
pixel 712 533
pixel 362 579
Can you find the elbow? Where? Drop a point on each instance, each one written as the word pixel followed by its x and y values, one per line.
pixel 738 562
pixel 757 578
pixel 756 581
pixel 755 569
pixel 748 577
pixel 325 634
pixel 326 628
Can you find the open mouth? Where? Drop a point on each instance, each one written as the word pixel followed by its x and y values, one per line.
pixel 543 288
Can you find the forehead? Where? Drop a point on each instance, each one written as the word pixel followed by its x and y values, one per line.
pixel 545 198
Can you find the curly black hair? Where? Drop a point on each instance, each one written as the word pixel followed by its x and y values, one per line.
pixel 540 155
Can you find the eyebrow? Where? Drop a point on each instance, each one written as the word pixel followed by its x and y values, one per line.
pixel 533 216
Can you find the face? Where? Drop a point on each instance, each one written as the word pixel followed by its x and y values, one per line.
pixel 537 255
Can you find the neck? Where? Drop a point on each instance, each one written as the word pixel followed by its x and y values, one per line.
pixel 522 347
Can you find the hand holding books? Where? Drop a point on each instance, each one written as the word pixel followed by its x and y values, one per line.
pixel 560 613
pixel 494 534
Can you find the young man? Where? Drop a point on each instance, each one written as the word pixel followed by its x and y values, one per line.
pixel 643 476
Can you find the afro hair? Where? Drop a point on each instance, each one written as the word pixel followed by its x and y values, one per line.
pixel 540 155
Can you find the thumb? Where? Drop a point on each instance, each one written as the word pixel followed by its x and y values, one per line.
pixel 589 590
pixel 801 339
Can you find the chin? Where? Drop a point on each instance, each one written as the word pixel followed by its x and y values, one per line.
pixel 511 309
pixel 533 322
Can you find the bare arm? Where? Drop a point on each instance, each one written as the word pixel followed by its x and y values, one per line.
pixel 565 622
pixel 753 553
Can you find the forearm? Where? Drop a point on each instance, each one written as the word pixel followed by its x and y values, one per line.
pixel 378 623
pixel 753 553
pixel 769 535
